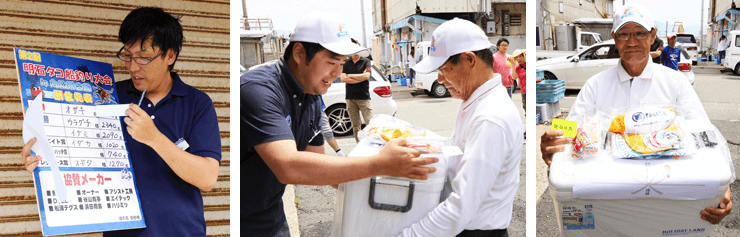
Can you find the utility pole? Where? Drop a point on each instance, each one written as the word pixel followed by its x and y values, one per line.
pixel 362 12
pixel 701 28
pixel 244 9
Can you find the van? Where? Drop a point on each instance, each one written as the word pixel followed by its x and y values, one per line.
pixel 732 53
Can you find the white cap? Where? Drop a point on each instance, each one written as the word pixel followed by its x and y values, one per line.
pixel 452 37
pixel 518 52
pixel 671 35
pixel 329 31
pixel 632 13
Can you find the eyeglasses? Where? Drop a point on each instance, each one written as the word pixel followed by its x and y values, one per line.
pixel 626 36
pixel 138 60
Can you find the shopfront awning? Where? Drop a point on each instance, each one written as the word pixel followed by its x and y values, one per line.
pixel 405 21
pixel 727 13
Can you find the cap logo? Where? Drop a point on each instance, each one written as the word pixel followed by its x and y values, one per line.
pixel 433 47
pixel 631 11
pixel 342 33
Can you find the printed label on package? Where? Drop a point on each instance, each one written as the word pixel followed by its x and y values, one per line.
pixel 91 155
pixel 578 217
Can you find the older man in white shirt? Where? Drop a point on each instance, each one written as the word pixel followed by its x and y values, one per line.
pixel 488 130
pixel 635 82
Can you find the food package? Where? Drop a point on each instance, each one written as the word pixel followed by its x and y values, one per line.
pixel 649 132
pixel 427 145
pixel 590 136
pixel 388 127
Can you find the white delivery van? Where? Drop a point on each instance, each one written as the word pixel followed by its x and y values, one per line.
pixel 732 53
pixel 428 82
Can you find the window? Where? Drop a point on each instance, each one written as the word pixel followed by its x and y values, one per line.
pixel 685 53
pixel 587 40
pixel 601 52
pixel 686 39
pixel 737 39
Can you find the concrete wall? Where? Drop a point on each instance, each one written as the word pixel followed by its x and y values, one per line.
pixel 89 29
pixel 251 52
pixel 572 9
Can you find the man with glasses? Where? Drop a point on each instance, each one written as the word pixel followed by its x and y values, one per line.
pixel 503 63
pixel 488 129
pixel 170 176
pixel 634 82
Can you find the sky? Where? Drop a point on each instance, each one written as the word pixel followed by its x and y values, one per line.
pixel 285 14
pixel 685 11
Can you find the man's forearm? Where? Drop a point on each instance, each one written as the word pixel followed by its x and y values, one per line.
pixel 655 54
pixel 350 80
pixel 310 168
pixel 201 172
pixel 360 77
pixel 322 169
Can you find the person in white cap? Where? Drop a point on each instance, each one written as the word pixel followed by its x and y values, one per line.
pixel 671 54
pixel 281 136
pixel 518 58
pixel 485 178
pixel 633 82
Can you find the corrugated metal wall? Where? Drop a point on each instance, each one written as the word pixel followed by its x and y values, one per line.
pixel 89 29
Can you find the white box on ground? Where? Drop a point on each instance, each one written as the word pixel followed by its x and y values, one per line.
pixel 384 206
pixel 652 216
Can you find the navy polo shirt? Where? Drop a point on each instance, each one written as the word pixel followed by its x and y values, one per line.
pixel 171 206
pixel 273 107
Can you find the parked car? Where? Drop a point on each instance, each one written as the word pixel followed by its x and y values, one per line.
pixel 578 68
pixel 336 108
pixel 689 44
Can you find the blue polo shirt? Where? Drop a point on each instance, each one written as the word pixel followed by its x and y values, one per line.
pixel 671 57
pixel 273 107
pixel 171 206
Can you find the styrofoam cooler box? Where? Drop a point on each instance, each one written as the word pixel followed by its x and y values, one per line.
pixel 384 206
pixel 545 114
pixel 555 109
pixel 649 215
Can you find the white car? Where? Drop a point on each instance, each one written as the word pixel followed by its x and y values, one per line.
pixel 689 44
pixel 578 68
pixel 336 108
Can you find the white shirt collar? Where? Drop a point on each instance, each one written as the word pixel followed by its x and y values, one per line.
pixel 647 73
pixel 482 89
